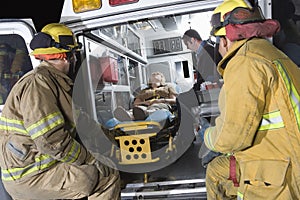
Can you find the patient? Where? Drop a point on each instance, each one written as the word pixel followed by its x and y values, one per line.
pixel 157 96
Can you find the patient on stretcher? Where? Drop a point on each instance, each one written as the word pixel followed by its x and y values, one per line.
pixel 157 96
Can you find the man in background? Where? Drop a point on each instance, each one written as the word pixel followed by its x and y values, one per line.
pixel 206 58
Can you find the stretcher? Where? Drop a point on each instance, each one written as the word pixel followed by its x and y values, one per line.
pixel 138 139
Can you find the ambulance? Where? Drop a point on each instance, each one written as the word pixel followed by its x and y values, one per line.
pixel 123 42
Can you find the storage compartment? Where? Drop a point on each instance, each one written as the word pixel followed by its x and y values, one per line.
pixel 109 68
pixel 208 95
pixel 104 69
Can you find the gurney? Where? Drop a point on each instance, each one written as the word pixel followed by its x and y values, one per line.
pixel 138 139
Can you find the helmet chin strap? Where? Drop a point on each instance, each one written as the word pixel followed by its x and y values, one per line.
pixel 71 58
pixel 61 46
pixel 249 4
pixel 216 49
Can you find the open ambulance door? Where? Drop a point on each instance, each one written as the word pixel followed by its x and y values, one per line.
pixel 15 36
pixel 122 45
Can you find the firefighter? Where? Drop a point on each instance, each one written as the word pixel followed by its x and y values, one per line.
pixel 258 127
pixel 40 155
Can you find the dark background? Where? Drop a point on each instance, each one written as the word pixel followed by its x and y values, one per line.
pixel 41 11
pixel 47 11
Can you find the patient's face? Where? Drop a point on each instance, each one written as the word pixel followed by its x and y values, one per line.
pixel 155 81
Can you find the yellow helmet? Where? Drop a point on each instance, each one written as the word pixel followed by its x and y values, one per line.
pixel 53 38
pixel 217 19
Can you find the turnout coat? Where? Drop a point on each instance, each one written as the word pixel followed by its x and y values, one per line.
pixel 37 140
pixel 259 120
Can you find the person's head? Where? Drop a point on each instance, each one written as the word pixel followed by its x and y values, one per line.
pixel 235 20
pixel 157 79
pixel 56 44
pixel 192 39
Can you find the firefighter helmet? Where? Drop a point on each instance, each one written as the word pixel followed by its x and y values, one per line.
pixel 234 12
pixel 54 38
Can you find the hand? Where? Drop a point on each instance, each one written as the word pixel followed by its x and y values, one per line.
pixel 104 170
pixel 145 94
pixel 150 102
pixel 206 155
pixel 203 125
pixel 90 160
pixel 162 91
pixel 209 157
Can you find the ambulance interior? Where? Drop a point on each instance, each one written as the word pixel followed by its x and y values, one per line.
pixel 120 51
pixel 132 51
pixel 120 59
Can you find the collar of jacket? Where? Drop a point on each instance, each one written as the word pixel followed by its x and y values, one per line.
pixel 232 51
pixel 65 81
pixel 201 46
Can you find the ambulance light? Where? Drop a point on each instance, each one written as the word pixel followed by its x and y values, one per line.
pixel 85 5
pixel 121 2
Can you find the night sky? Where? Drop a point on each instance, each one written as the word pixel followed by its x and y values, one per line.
pixel 41 11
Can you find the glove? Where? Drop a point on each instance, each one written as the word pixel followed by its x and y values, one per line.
pixel 203 124
pixel 90 160
pixel 104 170
pixel 206 155
pixel 209 157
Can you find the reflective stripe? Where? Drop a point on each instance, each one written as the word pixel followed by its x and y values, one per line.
pixel 48 123
pixel 35 130
pixel 6 76
pixel 41 163
pixel 3 53
pixel 73 153
pixel 293 94
pixel 271 121
pixel 44 125
pixel 240 196
pixel 15 76
pixel 12 125
pixel 208 140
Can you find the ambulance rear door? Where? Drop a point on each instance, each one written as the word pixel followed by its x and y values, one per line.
pixel 15 36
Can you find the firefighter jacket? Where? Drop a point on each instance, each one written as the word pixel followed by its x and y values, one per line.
pixel 37 129
pixel 259 118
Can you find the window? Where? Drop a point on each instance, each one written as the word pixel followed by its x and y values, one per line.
pixel 14 62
